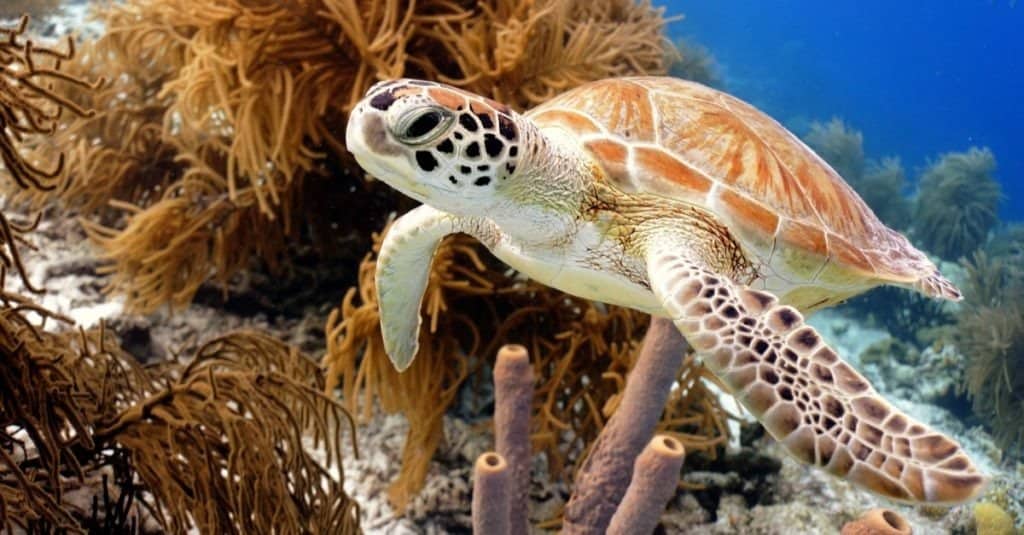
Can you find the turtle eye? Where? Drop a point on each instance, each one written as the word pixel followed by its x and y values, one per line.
pixel 422 126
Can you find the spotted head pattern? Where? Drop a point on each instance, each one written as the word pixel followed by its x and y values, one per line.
pixel 451 140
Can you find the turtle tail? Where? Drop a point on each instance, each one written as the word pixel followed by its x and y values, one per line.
pixel 911 268
pixel 937 286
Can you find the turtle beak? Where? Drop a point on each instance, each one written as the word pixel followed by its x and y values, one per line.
pixel 367 139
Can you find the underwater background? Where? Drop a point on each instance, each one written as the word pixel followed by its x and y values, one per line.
pixel 189 331
pixel 917 78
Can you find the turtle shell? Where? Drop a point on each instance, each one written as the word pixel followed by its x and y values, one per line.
pixel 783 202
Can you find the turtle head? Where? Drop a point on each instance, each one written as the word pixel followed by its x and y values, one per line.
pixel 438 144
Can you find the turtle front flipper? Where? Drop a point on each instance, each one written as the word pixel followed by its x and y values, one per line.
pixel 816 405
pixel 403 267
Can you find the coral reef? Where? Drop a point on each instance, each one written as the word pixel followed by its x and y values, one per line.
pixel 694 62
pixel 1007 242
pixel 907 316
pixel 215 146
pixel 957 203
pixel 931 375
pixel 254 398
pixel 92 441
pixel 882 186
pixel 189 170
pixel 176 445
pixel 990 333
pixel 990 519
pixel 839 145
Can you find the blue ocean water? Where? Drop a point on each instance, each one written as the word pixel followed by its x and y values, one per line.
pixel 917 78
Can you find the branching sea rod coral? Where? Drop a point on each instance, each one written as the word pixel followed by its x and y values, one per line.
pixel 29 110
pixel 882 187
pixel 28 103
pixel 172 447
pixel 958 203
pixel 523 53
pixel 256 397
pixel 990 334
pixel 189 446
pixel 691 61
pixel 839 145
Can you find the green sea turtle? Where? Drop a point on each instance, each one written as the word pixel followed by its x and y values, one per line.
pixel 681 201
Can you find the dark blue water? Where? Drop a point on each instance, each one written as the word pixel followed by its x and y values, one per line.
pixel 918 78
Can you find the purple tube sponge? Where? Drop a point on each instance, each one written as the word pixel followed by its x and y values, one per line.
pixel 513 395
pixel 655 478
pixel 490 495
pixel 602 480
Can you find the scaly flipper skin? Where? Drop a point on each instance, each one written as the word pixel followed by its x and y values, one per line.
pixel 403 267
pixel 816 405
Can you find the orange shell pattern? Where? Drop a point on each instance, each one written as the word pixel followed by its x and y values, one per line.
pixel 683 140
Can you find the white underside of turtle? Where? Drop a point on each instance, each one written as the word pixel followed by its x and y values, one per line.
pixel 680 201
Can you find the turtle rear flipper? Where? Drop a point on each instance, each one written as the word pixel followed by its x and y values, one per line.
pixel 821 409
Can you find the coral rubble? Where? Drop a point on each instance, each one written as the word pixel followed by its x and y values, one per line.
pixel 33 8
